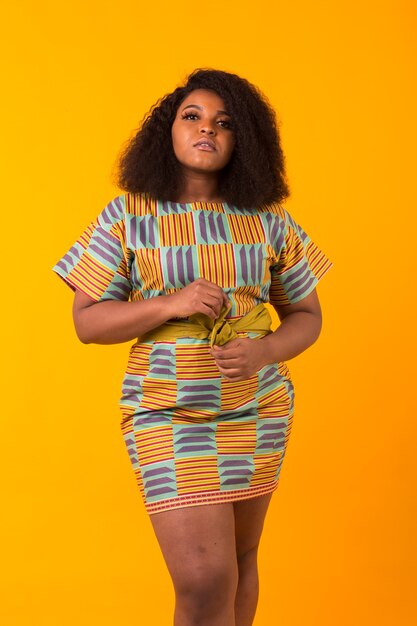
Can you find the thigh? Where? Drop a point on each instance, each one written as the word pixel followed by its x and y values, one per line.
pixel 197 542
pixel 249 521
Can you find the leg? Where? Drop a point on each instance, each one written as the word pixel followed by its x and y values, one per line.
pixel 198 545
pixel 249 516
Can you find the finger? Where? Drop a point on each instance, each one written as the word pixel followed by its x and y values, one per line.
pixel 234 376
pixel 207 310
pixel 217 293
pixel 214 300
pixel 236 361
pixel 205 281
pixel 211 301
pixel 225 359
pixel 234 370
pixel 233 343
pixel 228 349
pixel 207 286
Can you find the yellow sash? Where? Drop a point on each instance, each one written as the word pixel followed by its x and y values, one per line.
pixel 219 331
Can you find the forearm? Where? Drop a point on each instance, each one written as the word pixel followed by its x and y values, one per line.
pixel 114 321
pixel 295 334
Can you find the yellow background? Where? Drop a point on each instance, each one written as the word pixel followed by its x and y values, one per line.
pixel 339 545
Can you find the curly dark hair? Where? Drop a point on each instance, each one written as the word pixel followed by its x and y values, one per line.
pixel 255 174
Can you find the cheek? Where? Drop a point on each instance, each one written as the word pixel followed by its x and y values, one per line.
pixel 232 143
pixel 231 147
pixel 180 137
pixel 173 135
pixel 176 140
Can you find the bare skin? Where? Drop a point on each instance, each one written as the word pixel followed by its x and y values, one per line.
pixel 114 321
pixel 212 562
pixel 202 114
pixel 300 327
pixel 210 550
pixel 211 554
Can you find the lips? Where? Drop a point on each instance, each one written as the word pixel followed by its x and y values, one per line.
pixel 207 143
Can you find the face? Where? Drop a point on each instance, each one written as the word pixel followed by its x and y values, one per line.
pixel 202 119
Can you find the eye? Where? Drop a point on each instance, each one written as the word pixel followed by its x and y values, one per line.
pixel 226 124
pixel 194 116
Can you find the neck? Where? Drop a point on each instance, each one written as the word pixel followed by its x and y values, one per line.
pixel 197 187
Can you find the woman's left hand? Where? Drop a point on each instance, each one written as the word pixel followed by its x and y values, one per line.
pixel 240 359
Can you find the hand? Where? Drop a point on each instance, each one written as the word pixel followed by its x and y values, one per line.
pixel 200 296
pixel 240 359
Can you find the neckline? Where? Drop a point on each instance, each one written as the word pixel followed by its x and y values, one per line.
pixel 145 195
pixel 194 202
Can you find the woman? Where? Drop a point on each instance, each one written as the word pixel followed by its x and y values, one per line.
pixel 184 261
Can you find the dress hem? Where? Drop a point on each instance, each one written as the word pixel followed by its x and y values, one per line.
pixel 199 499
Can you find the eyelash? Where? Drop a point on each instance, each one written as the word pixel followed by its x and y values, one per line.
pixel 187 115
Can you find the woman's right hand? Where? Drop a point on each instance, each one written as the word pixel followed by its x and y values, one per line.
pixel 200 296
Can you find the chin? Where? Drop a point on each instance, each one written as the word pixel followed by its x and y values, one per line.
pixel 206 165
pixel 205 169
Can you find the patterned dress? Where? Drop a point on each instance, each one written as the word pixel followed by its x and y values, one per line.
pixel 192 436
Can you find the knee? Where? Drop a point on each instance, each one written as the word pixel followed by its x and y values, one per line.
pixel 247 557
pixel 207 589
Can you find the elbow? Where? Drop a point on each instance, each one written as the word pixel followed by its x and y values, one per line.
pixel 317 326
pixel 84 317
pixel 82 331
pixel 84 340
pixel 82 336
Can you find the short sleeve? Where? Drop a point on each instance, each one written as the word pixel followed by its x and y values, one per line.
pixel 298 266
pixel 98 262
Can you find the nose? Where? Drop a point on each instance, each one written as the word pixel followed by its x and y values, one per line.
pixel 206 127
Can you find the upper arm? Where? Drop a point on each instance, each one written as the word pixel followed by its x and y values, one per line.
pixel 98 263
pixel 309 304
pixel 81 302
pixel 297 267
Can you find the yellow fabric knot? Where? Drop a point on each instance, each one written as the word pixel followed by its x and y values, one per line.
pixel 218 331
pixel 221 330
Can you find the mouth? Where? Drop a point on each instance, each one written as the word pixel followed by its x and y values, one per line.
pixel 205 144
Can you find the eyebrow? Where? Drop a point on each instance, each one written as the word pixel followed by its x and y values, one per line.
pixel 201 108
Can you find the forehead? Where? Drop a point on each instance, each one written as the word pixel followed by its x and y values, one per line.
pixel 204 98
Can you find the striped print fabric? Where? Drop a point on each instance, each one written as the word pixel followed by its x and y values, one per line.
pixel 202 439
pixel 193 437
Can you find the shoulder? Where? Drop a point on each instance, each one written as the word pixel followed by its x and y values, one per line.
pixel 273 208
pixel 126 204
pixel 274 212
pixel 278 215
pixel 279 224
pixel 275 215
pixel 123 208
pixel 139 204
pixel 113 212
